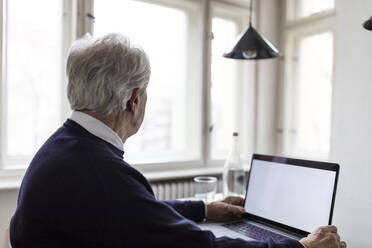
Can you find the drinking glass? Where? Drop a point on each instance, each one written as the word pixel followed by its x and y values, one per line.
pixel 205 188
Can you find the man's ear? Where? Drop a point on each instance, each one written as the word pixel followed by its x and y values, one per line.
pixel 133 101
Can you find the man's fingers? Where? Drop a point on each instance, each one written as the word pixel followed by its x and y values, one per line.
pixel 236 211
pixel 325 236
pixel 336 236
pixel 221 211
pixel 325 229
pixel 238 201
pixel 234 200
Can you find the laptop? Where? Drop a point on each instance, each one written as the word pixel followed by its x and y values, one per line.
pixel 285 198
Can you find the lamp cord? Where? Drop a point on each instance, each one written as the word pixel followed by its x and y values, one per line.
pixel 250 12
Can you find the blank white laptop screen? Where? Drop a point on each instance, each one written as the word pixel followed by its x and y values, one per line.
pixel 295 196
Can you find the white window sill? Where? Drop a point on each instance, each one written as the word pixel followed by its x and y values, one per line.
pixel 181 174
pixel 12 179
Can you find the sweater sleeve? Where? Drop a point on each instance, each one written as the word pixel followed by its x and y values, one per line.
pixel 134 218
pixel 193 210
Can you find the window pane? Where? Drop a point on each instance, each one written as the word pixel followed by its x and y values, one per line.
pixel 34 73
pixel 224 89
pixel 313 92
pixel 304 8
pixel 171 129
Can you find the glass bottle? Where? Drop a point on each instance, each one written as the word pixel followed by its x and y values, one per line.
pixel 233 174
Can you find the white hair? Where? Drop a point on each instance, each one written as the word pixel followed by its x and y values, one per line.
pixel 102 73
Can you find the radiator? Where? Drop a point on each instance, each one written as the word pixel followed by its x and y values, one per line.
pixel 175 189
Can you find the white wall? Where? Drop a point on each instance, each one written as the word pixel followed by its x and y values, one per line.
pixel 8 201
pixel 352 122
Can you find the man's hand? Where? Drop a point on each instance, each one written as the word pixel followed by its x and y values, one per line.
pixel 229 208
pixel 325 236
pixel 234 200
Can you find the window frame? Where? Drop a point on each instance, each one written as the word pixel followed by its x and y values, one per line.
pixel 13 168
pixel 18 162
pixel 76 23
pixel 292 30
pixel 2 91
pixel 247 71
pixel 291 15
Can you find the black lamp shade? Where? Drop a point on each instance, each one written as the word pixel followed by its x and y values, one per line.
pixel 251 45
pixel 368 24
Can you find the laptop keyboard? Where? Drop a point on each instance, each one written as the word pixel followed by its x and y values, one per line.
pixel 254 231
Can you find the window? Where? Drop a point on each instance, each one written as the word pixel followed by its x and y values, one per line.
pixel 32 76
pixel 308 88
pixel 224 87
pixel 192 88
pixel 313 92
pixel 172 127
pixel 304 8
pixel 232 93
pixel 171 130
pixel 230 85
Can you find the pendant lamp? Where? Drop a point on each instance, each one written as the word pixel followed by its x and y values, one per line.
pixel 251 45
pixel 368 24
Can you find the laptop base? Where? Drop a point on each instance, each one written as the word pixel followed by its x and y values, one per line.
pixel 247 230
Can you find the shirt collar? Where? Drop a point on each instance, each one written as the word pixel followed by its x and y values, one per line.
pixel 97 128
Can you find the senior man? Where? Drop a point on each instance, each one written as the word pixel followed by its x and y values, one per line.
pixel 79 192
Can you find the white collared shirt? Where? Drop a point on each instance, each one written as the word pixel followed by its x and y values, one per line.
pixel 97 128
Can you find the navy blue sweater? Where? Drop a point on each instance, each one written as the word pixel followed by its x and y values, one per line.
pixel 79 192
